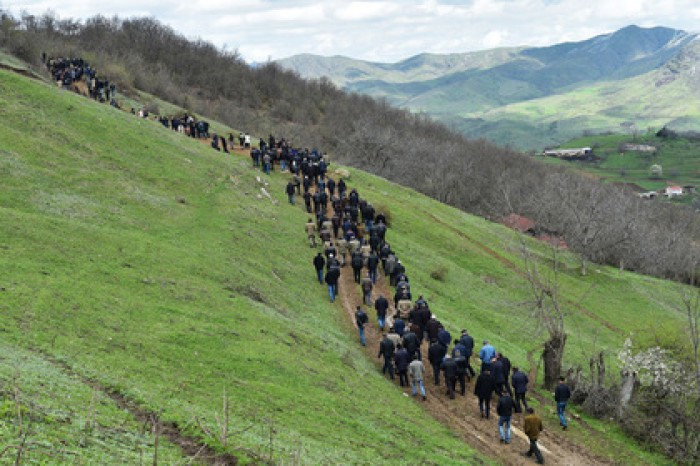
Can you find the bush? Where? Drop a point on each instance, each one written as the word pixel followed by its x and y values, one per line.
pixel 439 273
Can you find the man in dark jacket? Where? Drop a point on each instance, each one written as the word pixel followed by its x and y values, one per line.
pixel 361 320
pixel 483 389
pixel 520 381
pixel 504 408
pixel 372 264
pixel 435 354
pixel 461 370
pixel 561 396
pixel 402 360
pixel 332 277
pixel 449 367
pixel 410 343
pixel 386 349
pixel 357 263
pixel 468 342
pixel 433 327
pixel 290 190
pixel 506 370
pixel 381 305
pixel 499 375
pixel 319 262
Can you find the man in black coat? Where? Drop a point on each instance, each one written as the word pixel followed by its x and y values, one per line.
pixel 468 342
pixel 499 375
pixel 504 408
pixel 520 381
pixel 402 360
pixel 561 396
pixel 332 277
pixel 449 367
pixel 361 320
pixel 319 262
pixel 461 370
pixel 435 354
pixel 357 263
pixel 483 389
pixel 386 349
pixel 410 342
pixel 506 370
pixel 381 304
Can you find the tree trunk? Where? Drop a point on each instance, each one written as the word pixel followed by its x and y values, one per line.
pixel 629 379
pixel 584 265
pixel 553 354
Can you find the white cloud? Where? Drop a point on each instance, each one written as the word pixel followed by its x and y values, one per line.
pixel 385 30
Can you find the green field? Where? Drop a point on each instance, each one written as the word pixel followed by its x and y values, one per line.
pixel 156 267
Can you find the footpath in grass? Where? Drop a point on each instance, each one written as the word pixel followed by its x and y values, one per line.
pixel 152 264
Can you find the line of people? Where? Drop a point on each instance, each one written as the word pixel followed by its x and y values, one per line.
pixel 357 231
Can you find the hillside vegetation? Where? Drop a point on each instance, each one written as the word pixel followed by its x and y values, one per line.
pixel 532 97
pixel 151 265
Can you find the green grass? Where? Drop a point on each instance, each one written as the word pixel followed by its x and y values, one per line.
pixel 172 303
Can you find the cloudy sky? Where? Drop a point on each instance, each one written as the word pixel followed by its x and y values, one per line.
pixel 385 31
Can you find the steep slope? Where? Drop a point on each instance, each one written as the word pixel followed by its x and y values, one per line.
pixel 154 265
pixel 157 266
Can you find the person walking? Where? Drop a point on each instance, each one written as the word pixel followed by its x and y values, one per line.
pixel 449 367
pixel 356 263
pixel 519 381
pixel 486 354
pixel 331 279
pixel 386 349
pixel 319 263
pixel 417 371
pixel 367 287
pixel 561 396
pixel 402 360
pixel 381 305
pixel 468 342
pixel 311 233
pixel 461 370
pixel 504 408
pixel 532 427
pixel 361 320
pixel 291 190
pixel 435 354
pixel 483 389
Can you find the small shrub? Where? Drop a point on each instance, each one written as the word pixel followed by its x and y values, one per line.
pixel 439 273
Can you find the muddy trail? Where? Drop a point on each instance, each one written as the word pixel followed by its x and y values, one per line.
pixel 462 414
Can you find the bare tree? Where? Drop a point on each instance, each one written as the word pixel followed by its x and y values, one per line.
pixel 548 311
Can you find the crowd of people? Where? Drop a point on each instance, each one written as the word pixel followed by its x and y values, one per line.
pixel 351 232
pixel 67 72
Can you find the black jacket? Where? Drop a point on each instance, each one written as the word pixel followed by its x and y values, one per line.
pixel 361 318
pixel 381 305
pixel 402 360
pixel 319 262
pixel 468 342
pixel 386 348
pixel 519 381
pixel 332 276
pixel 484 386
pixel 562 393
pixel 435 354
pixel 449 367
pixel 505 405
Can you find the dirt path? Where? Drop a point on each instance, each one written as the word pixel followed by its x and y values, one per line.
pixel 462 414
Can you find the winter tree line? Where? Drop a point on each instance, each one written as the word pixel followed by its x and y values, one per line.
pixel 600 222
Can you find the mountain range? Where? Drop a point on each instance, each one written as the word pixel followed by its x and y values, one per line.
pixel 530 98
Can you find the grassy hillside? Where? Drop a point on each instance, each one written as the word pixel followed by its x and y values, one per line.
pixel 152 264
pixel 145 260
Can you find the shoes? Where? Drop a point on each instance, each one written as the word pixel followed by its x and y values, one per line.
pixel 425 397
pixel 507 442
pixel 502 441
pixel 482 415
pixel 563 427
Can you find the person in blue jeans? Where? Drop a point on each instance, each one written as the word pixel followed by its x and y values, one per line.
pixel 561 396
pixel 361 320
pixel 504 408
pixel 331 279
pixel 417 371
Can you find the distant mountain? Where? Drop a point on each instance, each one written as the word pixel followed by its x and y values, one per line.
pixel 500 94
